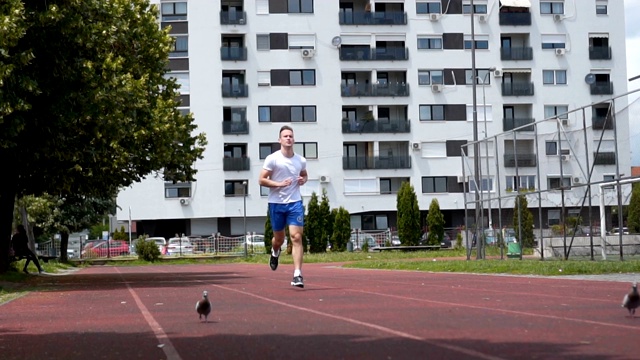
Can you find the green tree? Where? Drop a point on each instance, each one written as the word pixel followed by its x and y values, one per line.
pixel 313 225
pixel 523 221
pixel 341 230
pixel 326 219
pixel 268 233
pixel 408 215
pixel 435 222
pixel 90 109
pixel 633 214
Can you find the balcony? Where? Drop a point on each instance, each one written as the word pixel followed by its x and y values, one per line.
pixel 368 90
pixel 604 158
pixel 524 160
pixel 373 54
pixel 602 88
pixel 233 17
pixel 233 53
pixel 515 19
pixel 373 18
pixel 235 127
pixel 376 126
pixel 600 52
pixel 517 89
pixel 601 123
pixel 510 124
pixel 522 53
pixel 236 164
pixel 238 90
pixel 376 162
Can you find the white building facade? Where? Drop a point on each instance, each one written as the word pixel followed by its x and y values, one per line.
pixel 382 97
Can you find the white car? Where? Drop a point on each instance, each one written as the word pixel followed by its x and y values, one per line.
pixel 179 246
pixel 160 241
pixel 360 239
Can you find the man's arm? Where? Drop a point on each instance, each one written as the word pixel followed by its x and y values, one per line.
pixel 302 179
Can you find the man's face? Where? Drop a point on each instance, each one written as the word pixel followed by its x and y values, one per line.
pixel 286 138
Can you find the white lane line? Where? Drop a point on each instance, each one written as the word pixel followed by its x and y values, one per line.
pixel 168 348
pixel 369 325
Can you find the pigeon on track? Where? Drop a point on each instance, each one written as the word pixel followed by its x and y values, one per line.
pixel 632 300
pixel 203 306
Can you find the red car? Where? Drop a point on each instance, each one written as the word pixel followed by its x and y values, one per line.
pixel 100 249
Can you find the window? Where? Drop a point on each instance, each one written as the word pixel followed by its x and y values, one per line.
pixel 307 149
pixel 303 114
pixel 174 11
pixel 302 77
pixel 177 190
pixel 431 7
pixel 180 46
pixel 553 217
pixel 515 183
pixel 264 191
pixel 559 111
pixel 262 41
pixel 432 113
pixel 477 8
pixel 551 148
pixel 429 42
pixel 556 182
pixel 428 77
pixel 486 185
pixel 235 188
pixel 608 178
pixel 482 112
pixel 482 76
pixel 555 41
pixel 302 41
pixel 182 79
pixel 434 184
pixel 482 41
pixel 554 77
pixel 551 7
pixel 287 113
pixel 601 7
pixel 300 6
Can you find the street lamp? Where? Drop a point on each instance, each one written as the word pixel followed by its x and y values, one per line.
pixel 486 143
pixel 244 202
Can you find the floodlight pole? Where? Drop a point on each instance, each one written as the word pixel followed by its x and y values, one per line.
pixel 476 146
pixel 244 203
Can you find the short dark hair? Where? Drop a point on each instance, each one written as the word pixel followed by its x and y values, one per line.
pixel 283 128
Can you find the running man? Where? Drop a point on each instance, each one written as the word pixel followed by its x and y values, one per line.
pixel 283 173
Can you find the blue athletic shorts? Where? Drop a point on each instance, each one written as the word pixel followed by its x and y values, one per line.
pixel 286 214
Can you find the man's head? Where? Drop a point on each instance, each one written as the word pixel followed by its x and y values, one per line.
pixel 286 136
pixel 21 229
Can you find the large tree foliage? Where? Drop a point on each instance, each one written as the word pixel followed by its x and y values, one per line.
pixel 523 221
pixel 341 229
pixel 313 225
pixel 326 219
pixel 435 222
pixel 408 215
pixel 633 215
pixel 86 108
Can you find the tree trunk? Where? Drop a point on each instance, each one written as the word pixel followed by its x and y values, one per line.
pixel 64 244
pixel 7 202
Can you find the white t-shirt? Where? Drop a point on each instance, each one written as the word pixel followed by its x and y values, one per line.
pixel 281 168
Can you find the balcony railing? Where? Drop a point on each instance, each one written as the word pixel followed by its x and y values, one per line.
pixel 233 53
pixel 517 89
pixel 523 53
pixel 515 19
pixel 604 158
pixel 236 164
pixel 357 90
pixel 374 54
pixel 510 124
pixel 524 160
pixel 376 162
pixel 235 127
pixel 376 126
pixel 601 123
pixel 373 18
pixel 239 90
pixel 602 88
pixel 233 17
pixel 600 52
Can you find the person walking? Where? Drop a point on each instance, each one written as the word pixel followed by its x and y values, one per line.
pixel 20 242
pixel 283 173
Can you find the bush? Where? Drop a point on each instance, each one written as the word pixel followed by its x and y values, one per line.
pixel 147 250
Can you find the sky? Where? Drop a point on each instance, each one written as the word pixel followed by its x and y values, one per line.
pixel 632 23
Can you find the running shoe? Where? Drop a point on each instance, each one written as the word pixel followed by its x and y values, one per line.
pixel 273 262
pixel 297 281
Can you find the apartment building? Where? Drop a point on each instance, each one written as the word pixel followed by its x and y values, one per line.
pixel 382 97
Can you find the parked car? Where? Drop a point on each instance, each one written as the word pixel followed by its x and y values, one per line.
pixel 359 239
pixel 444 243
pixel 395 240
pixel 179 246
pixel 509 235
pixel 161 242
pixel 102 248
pixel 616 231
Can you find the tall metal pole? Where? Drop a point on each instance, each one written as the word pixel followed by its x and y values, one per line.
pixel 486 143
pixel 476 146
pixel 244 203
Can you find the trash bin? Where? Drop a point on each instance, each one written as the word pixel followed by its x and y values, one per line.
pixel 349 246
pixel 513 250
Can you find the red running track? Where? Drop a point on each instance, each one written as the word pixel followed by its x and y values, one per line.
pixel 149 313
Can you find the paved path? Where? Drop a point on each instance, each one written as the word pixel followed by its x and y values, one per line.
pixel 148 312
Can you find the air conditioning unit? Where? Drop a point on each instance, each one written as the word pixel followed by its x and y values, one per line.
pixel 497 73
pixel 434 17
pixel 577 180
pixel 565 122
pixel 461 179
pixel 558 17
pixel 264 82
pixel 308 53
pixel 566 157
pixel 437 87
pixel 241 21
pixel 415 146
pixel 184 202
pixel 325 179
pixel 482 18
pixel 560 52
